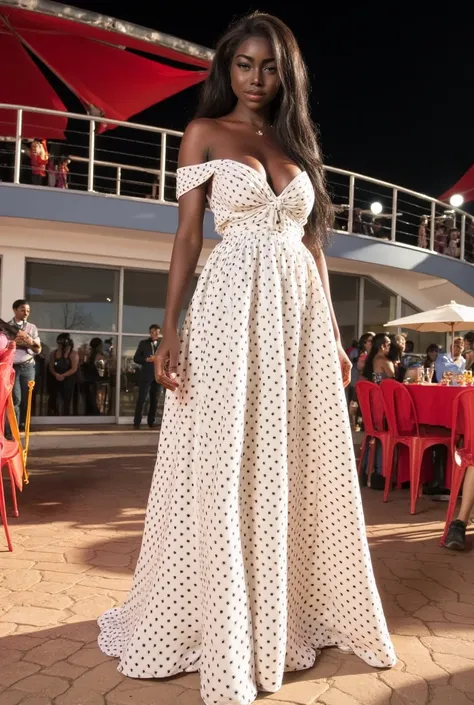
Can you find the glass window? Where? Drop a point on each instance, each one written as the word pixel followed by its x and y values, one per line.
pixel 144 300
pixel 344 294
pixel 90 391
pixel 67 297
pixel 421 340
pixel 129 380
pixel 379 307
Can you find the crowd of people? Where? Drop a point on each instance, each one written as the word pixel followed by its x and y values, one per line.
pixel 41 164
pixel 379 356
pixel 447 237
pixel 382 355
pixel 76 380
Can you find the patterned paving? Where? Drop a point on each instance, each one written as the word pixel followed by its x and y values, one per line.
pixel 75 545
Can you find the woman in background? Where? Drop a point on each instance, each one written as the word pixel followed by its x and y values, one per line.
pixel 63 363
pixel 432 352
pixel 378 365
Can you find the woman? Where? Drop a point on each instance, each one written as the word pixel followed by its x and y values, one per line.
pixel 398 344
pixel 432 352
pixel 255 451
pixel 365 346
pixel 63 363
pixel 378 365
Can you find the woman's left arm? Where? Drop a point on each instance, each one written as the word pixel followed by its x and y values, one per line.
pixel 319 258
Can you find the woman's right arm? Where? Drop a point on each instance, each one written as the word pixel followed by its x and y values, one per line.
pixel 186 250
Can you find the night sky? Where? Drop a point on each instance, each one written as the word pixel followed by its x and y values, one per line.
pixel 391 90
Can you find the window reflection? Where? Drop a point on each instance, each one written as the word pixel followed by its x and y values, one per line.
pixel 144 300
pixel 379 306
pixel 90 391
pixel 67 297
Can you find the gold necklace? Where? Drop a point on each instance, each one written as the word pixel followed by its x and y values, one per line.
pixel 258 131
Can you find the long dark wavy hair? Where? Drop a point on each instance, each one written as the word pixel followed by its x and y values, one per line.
pixel 377 342
pixel 9 330
pixel 290 117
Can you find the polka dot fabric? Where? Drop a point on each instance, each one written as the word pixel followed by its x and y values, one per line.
pixel 254 552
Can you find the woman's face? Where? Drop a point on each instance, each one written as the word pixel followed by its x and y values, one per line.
pixel 253 74
pixel 433 355
pixel 401 343
pixel 385 347
pixel 368 345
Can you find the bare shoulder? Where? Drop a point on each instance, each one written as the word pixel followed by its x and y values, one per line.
pixel 197 141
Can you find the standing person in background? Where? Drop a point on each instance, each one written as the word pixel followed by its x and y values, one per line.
pixel 39 158
pixel 147 385
pixel 63 364
pixel 423 232
pixel 62 173
pixel 28 345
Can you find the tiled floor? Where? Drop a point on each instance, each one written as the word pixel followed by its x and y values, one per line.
pixel 75 545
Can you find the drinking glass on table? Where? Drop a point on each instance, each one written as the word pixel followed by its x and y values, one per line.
pixel 428 376
pixel 419 376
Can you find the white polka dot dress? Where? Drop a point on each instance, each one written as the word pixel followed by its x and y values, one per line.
pixel 254 553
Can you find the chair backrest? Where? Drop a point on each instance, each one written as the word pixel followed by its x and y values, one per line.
pixel 463 420
pixel 7 380
pixel 371 405
pixel 399 409
pixel 7 354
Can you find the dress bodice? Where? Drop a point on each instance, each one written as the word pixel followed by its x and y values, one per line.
pixel 242 199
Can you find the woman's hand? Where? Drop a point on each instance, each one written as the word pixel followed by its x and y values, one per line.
pixel 166 361
pixel 346 365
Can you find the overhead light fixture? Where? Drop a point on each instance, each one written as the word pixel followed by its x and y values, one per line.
pixel 456 200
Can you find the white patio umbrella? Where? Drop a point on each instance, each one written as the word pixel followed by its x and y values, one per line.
pixel 444 319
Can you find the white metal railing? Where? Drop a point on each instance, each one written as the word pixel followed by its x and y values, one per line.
pixel 140 161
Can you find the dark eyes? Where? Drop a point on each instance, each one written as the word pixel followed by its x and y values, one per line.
pixel 246 67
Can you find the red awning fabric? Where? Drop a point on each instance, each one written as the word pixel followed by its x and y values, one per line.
pixel 53 26
pixel 465 187
pixel 33 90
pixel 91 61
pixel 117 82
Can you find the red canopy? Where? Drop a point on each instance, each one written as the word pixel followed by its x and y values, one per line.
pixel 465 187
pixel 91 60
pixel 34 90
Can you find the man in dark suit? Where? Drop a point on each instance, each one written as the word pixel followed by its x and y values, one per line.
pixel 146 377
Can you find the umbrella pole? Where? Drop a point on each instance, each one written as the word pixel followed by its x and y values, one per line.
pixel 452 338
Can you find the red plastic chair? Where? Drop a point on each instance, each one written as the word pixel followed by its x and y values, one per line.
pixel 11 451
pixel 463 457
pixel 403 425
pixel 371 405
